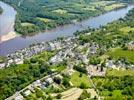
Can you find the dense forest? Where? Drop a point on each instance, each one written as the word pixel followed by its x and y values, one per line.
pixel 116 88
pixel 19 76
pixel 38 15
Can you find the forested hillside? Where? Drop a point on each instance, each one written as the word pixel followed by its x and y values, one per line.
pixel 38 15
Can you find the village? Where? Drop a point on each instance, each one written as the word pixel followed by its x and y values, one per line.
pixel 68 50
pixel 68 47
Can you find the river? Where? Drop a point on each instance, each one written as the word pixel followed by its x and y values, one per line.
pixel 7 19
pixel 66 30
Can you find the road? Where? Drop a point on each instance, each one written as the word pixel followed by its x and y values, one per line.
pixel 94 86
pixel 30 85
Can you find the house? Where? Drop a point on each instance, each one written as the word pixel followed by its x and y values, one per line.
pixel 57 45
pixel 93 49
pixel 19 97
pixel 131 67
pixel 109 63
pixel 2 65
pixel 43 86
pixel 52 46
pixel 84 59
pixel 27 92
pixel 18 61
pixel 37 83
pixel 131 45
pixel 57 58
pixel 49 80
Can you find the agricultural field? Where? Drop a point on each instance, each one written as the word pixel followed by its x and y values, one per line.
pixel 60 11
pixel 120 73
pixel 113 6
pixel 46 20
pixel 27 24
pixel 71 93
pixel 126 30
pixel 76 79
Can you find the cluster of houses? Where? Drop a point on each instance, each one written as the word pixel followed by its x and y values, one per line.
pixel 66 46
pixel 41 84
pixel 19 56
pixel 70 52
pixel 130 46
pixel 118 64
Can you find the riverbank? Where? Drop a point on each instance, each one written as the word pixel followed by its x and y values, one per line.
pixel 12 35
pixel 8 36
pixel 63 31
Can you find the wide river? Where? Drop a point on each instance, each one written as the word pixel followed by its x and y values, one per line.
pixel 7 19
pixel 66 30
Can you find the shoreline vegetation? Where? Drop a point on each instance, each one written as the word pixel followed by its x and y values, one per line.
pixel 1 10
pixel 43 18
pixel 47 22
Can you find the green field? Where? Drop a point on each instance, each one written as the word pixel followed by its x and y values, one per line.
pixel 58 68
pixel 120 73
pixel 27 24
pixel 44 19
pixel 60 11
pixel 118 53
pixel 126 30
pixel 77 80
pixel 113 6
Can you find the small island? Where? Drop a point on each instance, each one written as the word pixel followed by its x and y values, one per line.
pixel 1 10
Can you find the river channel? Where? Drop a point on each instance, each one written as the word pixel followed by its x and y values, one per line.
pixel 66 30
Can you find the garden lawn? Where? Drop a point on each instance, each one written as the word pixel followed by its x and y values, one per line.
pixel 58 68
pixel 76 80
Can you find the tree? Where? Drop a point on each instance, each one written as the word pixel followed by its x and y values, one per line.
pixel 57 80
pixel 102 66
pixel 84 95
pixel 33 60
pixel 80 69
pixel 39 93
pixel 59 96
pixel 66 82
pixel 49 98
pixel 83 86
pixel 94 61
